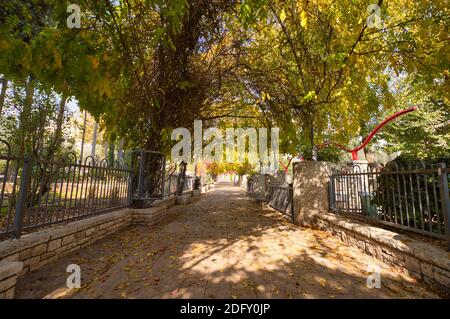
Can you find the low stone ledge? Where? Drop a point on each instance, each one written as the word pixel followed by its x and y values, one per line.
pixel 149 210
pixel 204 189
pixel 419 259
pixel 148 216
pixel 9 271
pixel 36 249
pixel 168 202
pixel 184 199
pixel 33 251
pixel 152 215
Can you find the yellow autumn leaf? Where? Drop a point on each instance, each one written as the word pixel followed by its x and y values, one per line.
pixel 282 15
pixel 303 19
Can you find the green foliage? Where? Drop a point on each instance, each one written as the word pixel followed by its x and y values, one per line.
pixel 317 67
pixel 423 134
pixel 327 154
pixel 38 133
pixel 245 168
pixel 312 68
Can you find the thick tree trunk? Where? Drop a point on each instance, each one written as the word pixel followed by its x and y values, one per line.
pixel 3 94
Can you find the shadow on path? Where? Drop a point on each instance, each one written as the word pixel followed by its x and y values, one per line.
pixel 223 246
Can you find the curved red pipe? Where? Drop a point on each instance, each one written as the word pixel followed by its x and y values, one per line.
pixel 370 136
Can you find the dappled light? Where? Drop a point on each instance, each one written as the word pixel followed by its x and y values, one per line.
pixel 223 246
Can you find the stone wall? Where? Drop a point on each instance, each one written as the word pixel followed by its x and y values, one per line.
pixel 33 251
pixel 310 182
pixel 9 271
pixel 418 259
pixel 153 215
pixel 259 186
pixel 39 248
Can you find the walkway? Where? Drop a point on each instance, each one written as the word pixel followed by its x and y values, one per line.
pixel 223 246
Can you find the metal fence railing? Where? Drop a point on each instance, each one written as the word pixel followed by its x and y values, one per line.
pixel 280 197
pixel 414 198
pixel 170 188
pixel 207 180
pixel 189 183
pixel 36 192
pixel 148 182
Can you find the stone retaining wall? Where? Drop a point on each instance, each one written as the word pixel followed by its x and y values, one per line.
pixel 418 259
pixel 9 271
pixel 33 251
pixel 150 216
pixel 42 247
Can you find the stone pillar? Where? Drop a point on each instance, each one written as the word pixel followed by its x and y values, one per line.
pixel 244 182
pixel 9 271
pixel 311 182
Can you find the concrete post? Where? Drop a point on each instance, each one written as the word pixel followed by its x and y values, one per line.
pixel 310 196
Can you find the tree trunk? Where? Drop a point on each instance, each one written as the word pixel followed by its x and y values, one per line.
pixel 83 137
pixel 46 174
pixel 25 115
pixel 105 150
pixel 56 144
pixel 120 151
pixel 367 154
pixel 94 140
pixel 111 155
pixel 3 94
pixel 314 154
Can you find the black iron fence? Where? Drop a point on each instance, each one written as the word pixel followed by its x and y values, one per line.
pixel 36 192
pixel 276 194
pixel 414 198
pixel 280 197
pixel 148 182
pixel 171 184
pixel 250 185
pixel 188 183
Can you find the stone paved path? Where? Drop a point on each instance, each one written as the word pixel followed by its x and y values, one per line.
pixel 223 246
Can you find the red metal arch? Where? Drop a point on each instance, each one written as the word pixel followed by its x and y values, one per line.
pixel 370 136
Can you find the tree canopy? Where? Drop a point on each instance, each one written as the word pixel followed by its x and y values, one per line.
pixel 315 69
